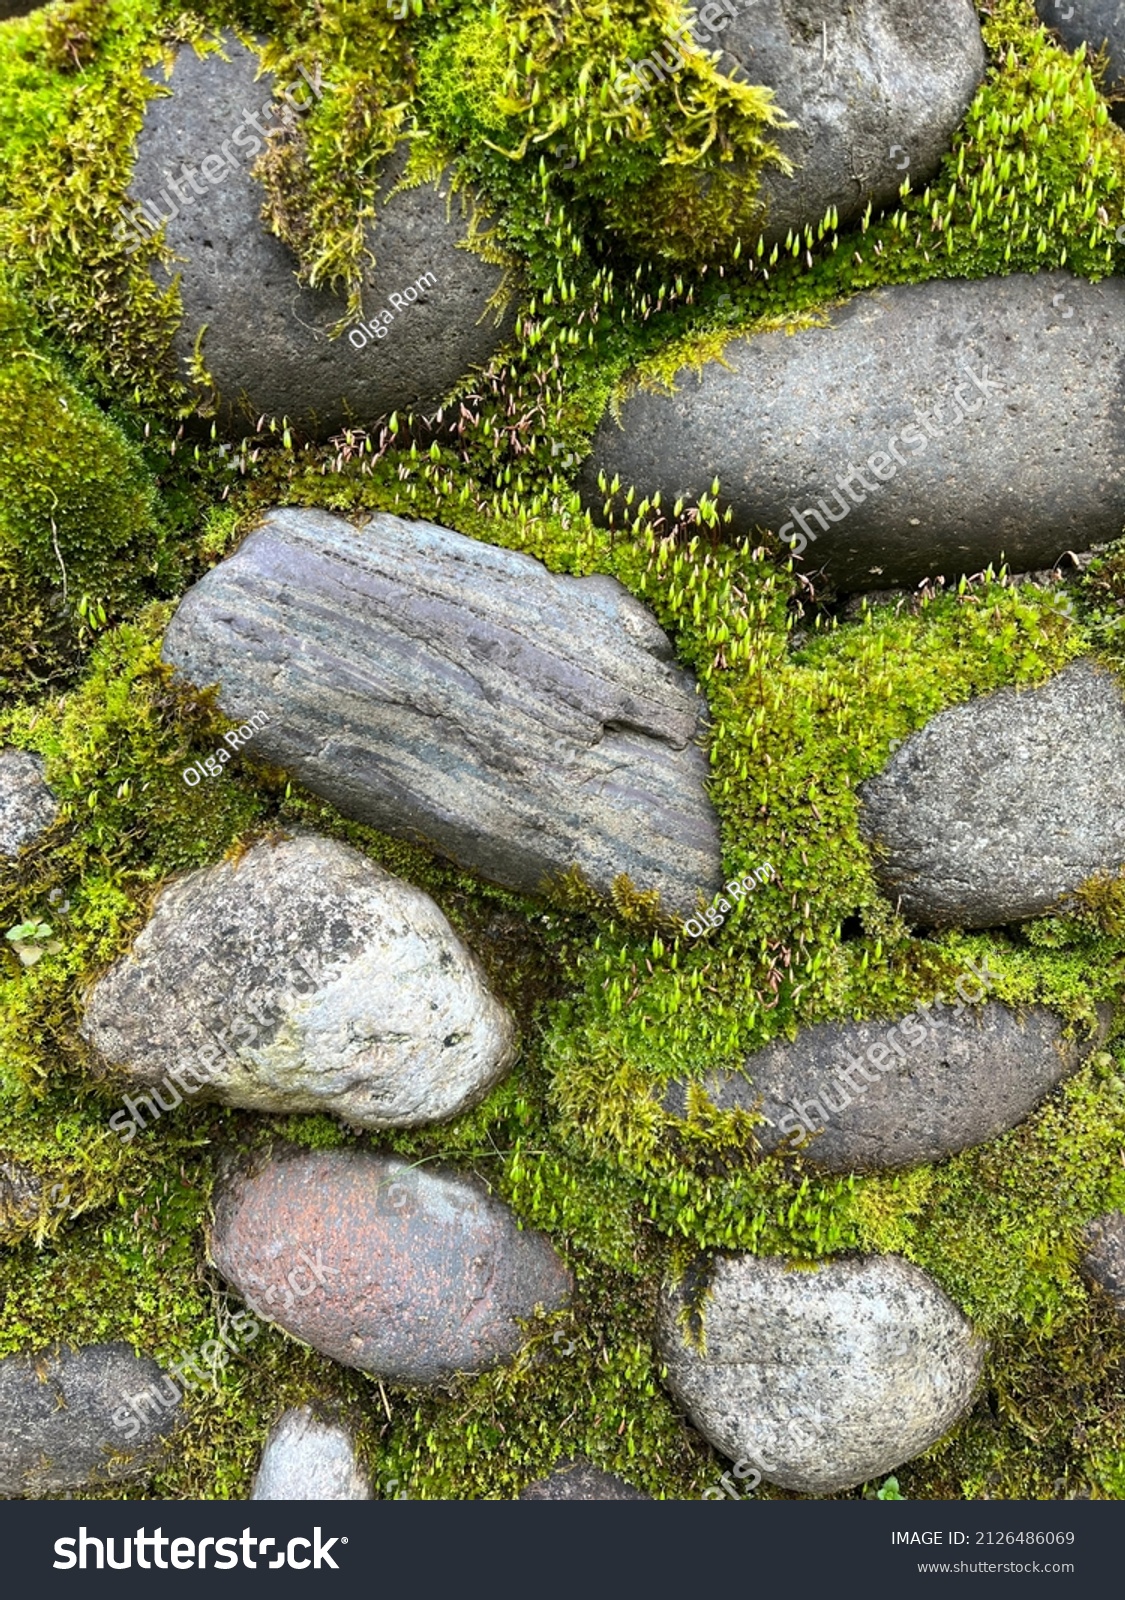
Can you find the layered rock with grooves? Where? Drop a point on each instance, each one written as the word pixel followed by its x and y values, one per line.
pixel 267 345
pixel 998 809
pixel 319 983
pixel 821 1378
pixel 463 696
pixel 924 429
pixel 420 1275
pixel 872 1096
pixel 65 1420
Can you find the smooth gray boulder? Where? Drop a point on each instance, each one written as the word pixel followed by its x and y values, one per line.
pixel 926 429
pixel 876 90
pixel 309 1458
pixel 463 696
pixel 1103 1260
pixel 820 1377
pixel 27 806
pixel 65 1422
pixel 998 809
pixel 419 1274
pixel 267 345
pixel 1099 25
pixel 578 1480
pixel 873 1096
pixel 328 984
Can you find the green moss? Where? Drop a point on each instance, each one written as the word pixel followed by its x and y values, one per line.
pixel 80 530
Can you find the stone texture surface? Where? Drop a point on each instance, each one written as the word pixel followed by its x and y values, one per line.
pixel 825 1378
pixel 27 806
pixel 964 1075
pixel 395 1025
pixel 998 808
pixel 20 1191
pixel 56 1427
pixel 1028 462
pixel 880 102
pixel 425 1274
pixel 309 1458
pixel 578 1480
pixel 463 696
pixel 1099 25
pixel 1104 1258
pixel 266 345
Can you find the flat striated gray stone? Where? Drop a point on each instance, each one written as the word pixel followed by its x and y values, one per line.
pixel 462 696
pixel 65 1424
pixel 997 809
pixel 419 1275
pixel 578 1480
pixel 876 90
pixel 872 1096
pixel 1103 1261
pixel 927 429
pixel 820 1378
pixel 27 806
pixel 1099 25
pixel 266 344
pixel 309 1458
pixel 319 983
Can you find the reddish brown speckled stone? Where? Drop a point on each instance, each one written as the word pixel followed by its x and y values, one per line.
pixel 424 1275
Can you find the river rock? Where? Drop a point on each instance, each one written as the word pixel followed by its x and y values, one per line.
pixel 309 1458
pixel 462 696
pixel 931 428
pixel 327 984
pixel 420 1275
pixel 1104 1259
pixel 821 1378
pixel 27 806
pixel 1099 25
pixel 997 809
pixel 876 90
pixel 65 1422
pixel 872 1096
pixel 267 345
pixel 578 1480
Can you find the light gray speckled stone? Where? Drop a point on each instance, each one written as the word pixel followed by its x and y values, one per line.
pixel 57 1428
pixel 1022 455
pixel 820 1378
pixel 462 696
pixel 27 806
pixel 266 343
pixel 997 809
pixel 308 1458
pixel 882 101
pixel 937 1082
pixel 394 1027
